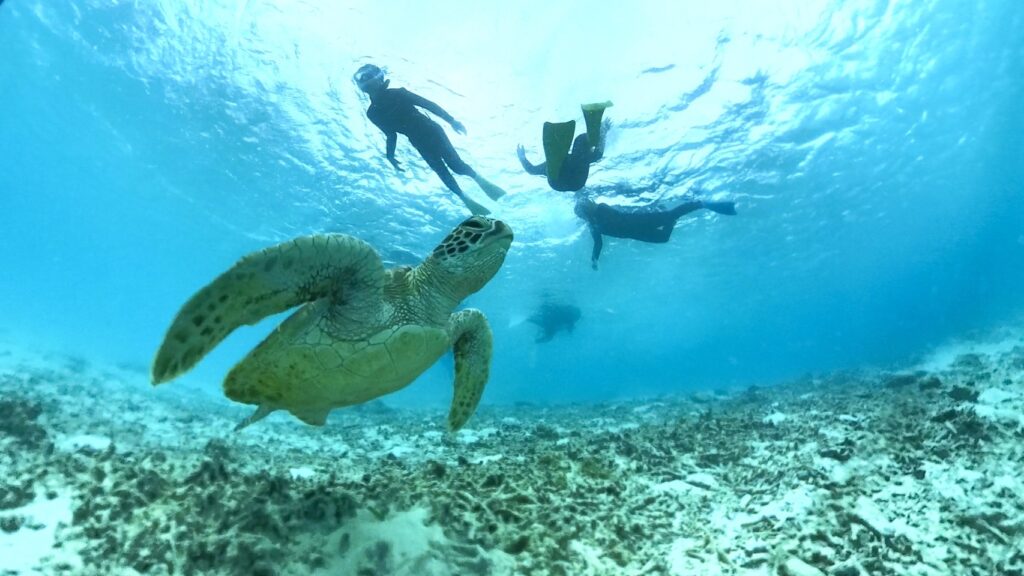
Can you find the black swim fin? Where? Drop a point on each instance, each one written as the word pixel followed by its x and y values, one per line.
pixel 557 141
pixel 727 208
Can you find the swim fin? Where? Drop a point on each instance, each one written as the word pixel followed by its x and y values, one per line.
pixel 727 208
pixel 592 114
pixel 557 141
pixel 492 190
pixel 474 206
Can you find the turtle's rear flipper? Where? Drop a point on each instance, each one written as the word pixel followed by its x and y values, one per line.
pixel 342 269
pixel 312 416
pixel 262 412
pixel 472 344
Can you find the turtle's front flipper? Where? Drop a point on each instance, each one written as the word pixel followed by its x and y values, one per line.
pixel 472 344
pixel 341 268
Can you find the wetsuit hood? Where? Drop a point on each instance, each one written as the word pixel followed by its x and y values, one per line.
pixel 584 208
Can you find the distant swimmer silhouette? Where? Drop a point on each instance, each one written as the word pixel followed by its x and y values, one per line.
pixel 650 223
pixel 553 318
pixel 567 160
pixel 393 110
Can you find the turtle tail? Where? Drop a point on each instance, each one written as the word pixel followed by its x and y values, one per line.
pixel 261 412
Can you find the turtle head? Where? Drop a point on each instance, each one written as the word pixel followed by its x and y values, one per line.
pixel 471 255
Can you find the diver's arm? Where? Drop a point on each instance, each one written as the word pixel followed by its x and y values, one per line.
pixel 534 169
pixel 391 143
pixel 436 110
pixel 598 244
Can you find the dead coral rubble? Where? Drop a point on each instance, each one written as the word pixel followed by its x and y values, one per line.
pixel 846 474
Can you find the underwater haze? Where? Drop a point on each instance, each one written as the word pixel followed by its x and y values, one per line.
pixel 829 382
pixel 873 150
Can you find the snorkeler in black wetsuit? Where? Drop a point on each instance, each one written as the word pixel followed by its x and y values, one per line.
pixel 575 168
pixel 567 169
pixel 645 223
pixel 393 110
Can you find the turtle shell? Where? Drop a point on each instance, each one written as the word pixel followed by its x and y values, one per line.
pixel 303 368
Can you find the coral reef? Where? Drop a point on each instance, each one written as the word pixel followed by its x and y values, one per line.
pixel 845 474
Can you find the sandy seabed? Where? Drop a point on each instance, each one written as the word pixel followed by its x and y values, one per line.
pixel 918 471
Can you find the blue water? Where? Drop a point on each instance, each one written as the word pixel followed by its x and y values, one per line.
pixel 874 150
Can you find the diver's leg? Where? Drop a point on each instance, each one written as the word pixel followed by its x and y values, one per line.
pixel 659 225
pixel 655 227
pixel 438 166
pixel 684 209
pixel 655 233
pixel 574 173
pixel 458 165
pixel 727 208
pixel 453 160
pixel 575 170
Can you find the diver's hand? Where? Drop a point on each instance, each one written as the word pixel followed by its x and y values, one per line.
pixel 396 164
pixel 593 264
pixel 458 127
pixel 521 153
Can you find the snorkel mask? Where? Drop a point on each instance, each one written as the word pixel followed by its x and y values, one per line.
pixel 369 78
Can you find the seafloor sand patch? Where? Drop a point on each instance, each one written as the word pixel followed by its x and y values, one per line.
pixel 916 473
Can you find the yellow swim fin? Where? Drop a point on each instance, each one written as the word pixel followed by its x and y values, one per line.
pixel 592 114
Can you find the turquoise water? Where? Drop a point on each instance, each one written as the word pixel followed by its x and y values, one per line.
pixel 874 151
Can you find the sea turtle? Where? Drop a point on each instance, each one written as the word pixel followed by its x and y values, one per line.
pixel 361 331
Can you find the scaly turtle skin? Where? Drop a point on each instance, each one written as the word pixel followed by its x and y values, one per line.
pixel 361 331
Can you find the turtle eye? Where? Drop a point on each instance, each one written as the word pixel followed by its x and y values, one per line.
pixel 475 225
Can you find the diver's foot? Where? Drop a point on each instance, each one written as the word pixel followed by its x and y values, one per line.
pixel 493 191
